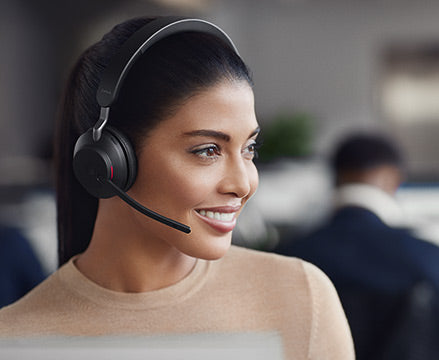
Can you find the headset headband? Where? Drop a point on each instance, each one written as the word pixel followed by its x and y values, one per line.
pixel 136 45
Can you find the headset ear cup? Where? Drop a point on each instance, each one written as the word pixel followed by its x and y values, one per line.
pixel 110 158
pixel 130 156
pixel 92 165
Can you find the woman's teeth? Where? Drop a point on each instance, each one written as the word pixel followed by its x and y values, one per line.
pixel 217 215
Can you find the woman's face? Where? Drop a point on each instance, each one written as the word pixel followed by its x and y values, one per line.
pixel 197 167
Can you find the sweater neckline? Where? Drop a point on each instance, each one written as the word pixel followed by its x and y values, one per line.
pixel 78 283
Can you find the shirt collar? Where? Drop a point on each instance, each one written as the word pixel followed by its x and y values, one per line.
pixel 373 199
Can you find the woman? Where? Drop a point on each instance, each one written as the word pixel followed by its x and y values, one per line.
pixel 186 106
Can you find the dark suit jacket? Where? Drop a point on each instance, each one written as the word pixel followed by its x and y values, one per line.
pixel 381 274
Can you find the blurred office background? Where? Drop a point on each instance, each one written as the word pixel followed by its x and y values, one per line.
pixel 322 69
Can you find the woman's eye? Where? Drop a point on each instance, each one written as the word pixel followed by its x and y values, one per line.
pixel 251 152
pixel 211 151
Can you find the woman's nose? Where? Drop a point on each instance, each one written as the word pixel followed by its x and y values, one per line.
pixel 237 178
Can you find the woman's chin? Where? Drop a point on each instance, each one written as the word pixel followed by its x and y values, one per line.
pixel 215 250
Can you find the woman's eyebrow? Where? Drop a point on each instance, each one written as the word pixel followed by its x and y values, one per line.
pixel 216 134
pixel 208 133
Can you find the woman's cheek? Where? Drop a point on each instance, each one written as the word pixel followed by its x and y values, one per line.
pixel 194 189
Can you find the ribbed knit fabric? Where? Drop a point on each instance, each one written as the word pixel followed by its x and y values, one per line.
pixel 244 292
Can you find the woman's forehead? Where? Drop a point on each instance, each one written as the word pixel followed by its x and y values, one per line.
pixel 228 105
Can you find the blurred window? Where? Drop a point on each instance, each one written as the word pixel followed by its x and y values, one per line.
pixel 410 102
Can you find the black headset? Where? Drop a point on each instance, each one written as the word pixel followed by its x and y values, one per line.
pixel 104 161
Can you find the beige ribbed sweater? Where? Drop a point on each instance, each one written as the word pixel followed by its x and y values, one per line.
pixel 245 291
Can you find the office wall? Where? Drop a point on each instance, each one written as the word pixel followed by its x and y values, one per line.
pixel 321 57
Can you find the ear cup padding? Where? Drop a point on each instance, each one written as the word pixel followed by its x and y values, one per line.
pixel 130 155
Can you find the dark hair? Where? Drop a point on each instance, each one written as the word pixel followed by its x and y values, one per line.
pixel 365 151
pixel 170 72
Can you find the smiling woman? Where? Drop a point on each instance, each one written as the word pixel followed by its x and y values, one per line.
pixel 186 108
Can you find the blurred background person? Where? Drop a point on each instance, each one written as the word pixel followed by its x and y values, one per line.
pixel 20 268
pixel 384 274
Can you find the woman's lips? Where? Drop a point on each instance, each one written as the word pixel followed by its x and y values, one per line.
pixel 221 219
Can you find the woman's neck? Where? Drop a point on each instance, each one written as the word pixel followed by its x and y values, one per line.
pixel 121 258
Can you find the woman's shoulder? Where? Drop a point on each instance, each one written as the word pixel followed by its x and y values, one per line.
pixel 31 310
pixel 285 268
pixel 304 294
pixel 269 259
